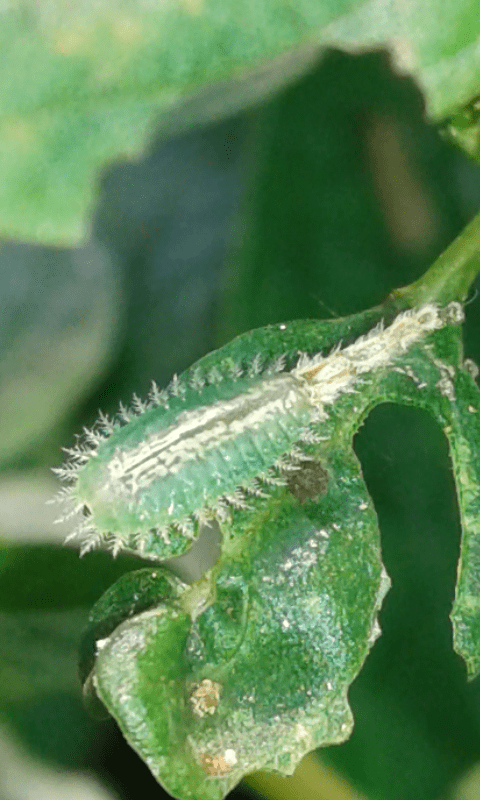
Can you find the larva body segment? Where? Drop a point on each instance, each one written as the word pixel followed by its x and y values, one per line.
pixel 166 465
pixel 208 442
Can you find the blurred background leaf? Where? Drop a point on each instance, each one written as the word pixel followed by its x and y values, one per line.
pixel 83 84
pixel 57 332
pixel 23 777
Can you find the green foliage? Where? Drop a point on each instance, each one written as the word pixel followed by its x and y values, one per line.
pixel 83 85
pixel 92 84
pixel 273 636
pixel 45 598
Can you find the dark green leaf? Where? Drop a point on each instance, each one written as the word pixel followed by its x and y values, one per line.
pixel 45 596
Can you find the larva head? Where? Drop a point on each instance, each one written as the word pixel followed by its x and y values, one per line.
pixel 110 509
pixel 132 500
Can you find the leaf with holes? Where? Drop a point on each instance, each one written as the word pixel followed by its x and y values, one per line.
pixel 249 667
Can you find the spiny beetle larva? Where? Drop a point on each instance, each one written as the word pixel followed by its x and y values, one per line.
pixel 202 446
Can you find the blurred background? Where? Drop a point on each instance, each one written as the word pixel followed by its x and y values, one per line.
pixel 316 203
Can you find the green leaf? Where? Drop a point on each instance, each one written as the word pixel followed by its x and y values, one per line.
pixel 278 629
pixel 85 84
pixel 260 677
pixel 249 668
pixel 436 378
pixel 133 593
pixel 463 432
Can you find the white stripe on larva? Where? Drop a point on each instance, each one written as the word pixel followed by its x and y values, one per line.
pixel 330 376
pixel 202 429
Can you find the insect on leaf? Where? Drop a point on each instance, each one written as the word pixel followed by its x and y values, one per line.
pixel 249 667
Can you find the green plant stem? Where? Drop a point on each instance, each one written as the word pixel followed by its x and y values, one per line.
pixel 450 276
